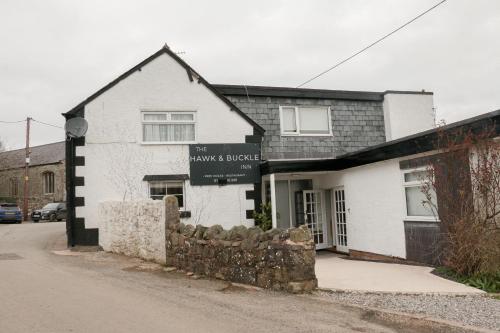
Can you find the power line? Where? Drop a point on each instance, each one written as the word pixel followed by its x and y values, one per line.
pixel 12 122
pixel 21 121
pixel 41 122
pixel 372 44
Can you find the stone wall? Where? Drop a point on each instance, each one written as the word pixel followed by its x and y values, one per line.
pixel 37 199
pixel 275 259
pixel 133 228
pixel 355 125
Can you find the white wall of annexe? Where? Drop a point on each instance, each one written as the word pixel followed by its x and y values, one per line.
pixel 375 205
pixel 116 159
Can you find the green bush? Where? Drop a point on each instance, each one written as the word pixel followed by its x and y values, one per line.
pixel 263 219
pixel 487 282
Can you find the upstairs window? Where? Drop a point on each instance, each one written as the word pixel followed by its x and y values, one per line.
pixel 48 182
pixel 168 127
pixel 417 206
pixel 157 190
pixel 14 187
pixel 302 120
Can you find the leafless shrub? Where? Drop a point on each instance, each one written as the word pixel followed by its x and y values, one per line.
pixel 465 176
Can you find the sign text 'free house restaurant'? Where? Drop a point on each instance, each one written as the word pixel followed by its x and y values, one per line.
pixel 220 164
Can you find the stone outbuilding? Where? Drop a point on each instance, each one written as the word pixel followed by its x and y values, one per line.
pixel 46 175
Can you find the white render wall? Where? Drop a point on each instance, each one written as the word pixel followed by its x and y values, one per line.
pixel 116 160
pixel 406 114
pixel 375 204
pixel 133 228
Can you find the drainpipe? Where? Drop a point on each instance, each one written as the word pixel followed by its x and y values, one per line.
pixel 273 201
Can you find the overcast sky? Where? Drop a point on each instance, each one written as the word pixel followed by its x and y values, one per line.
pixel 55 53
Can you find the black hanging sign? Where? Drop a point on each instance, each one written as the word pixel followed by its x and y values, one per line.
pixel 221 164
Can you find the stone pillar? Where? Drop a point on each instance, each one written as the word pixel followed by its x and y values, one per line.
pixel 172 215
pixel 172 219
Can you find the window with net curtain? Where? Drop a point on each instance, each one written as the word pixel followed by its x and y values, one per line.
pixel 305 120
pixel 416 202
pixel 168 127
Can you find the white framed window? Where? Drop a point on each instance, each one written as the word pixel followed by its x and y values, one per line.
pixel 48 182
pixel 159 189
pixel 169 127
pixel 305 120
pixel 417 206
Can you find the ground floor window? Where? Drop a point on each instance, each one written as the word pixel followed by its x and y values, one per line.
pixel 417 205
pixel 48 182
pixel 159 189
pixel 14 187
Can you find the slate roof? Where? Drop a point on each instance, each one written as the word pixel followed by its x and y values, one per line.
pixel 45 154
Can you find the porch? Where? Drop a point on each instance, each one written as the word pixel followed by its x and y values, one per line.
pixel 315 199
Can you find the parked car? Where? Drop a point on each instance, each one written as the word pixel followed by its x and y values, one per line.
pixel 10 212
pixel 55 211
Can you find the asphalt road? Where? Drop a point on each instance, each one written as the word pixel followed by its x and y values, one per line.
pixel 46 291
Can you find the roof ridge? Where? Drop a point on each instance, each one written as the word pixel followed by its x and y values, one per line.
pixel 31 147
pixel 314 90
pixel 294 89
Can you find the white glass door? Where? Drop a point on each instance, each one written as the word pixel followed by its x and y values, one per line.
pixel 340 219
pixel 314 215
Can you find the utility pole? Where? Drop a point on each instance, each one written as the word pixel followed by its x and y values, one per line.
pixel 26 168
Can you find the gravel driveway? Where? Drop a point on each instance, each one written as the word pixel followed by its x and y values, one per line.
pixel 473 310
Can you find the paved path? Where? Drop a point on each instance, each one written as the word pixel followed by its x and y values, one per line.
pixel 99 292
pixel 333 272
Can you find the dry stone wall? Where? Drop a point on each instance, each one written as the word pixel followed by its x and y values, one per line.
pixel 275 259
pixel 151 229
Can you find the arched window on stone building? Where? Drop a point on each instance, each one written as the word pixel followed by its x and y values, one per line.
pixel 48 182
pixel 14 187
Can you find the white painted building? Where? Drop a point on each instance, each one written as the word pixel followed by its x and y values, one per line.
pixel 334 160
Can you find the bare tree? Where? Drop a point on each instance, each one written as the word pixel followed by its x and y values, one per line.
pixel 465 176
pixel 199 203
pixel 129 164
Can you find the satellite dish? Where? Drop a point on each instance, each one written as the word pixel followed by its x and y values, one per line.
pixel 76 127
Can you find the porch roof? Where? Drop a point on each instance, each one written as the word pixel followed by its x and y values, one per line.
pixel 413 144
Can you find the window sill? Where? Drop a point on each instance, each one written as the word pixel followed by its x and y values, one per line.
pixel 316 135
pixel 168 143
pixel 421 219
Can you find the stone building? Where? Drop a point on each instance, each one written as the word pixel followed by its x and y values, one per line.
pixel 46 175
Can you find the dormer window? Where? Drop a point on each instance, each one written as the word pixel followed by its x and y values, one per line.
pixel 305 121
